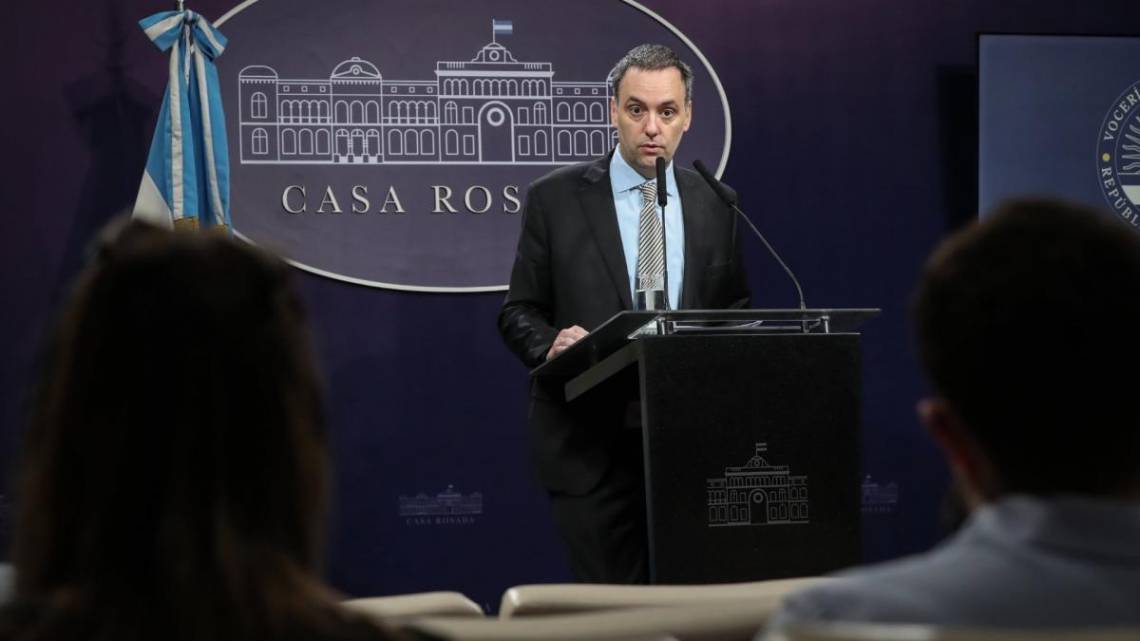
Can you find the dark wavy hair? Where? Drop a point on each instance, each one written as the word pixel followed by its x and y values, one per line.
pixel 174 473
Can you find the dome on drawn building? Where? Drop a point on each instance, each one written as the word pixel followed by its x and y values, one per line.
pixel 756 463
pixel 257 71
pixel 494 52
pixel 354 67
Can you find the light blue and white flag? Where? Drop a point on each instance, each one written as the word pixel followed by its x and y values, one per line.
pixel 501 28
pixel 187 178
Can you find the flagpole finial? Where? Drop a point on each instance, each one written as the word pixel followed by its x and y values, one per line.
pixel 181 5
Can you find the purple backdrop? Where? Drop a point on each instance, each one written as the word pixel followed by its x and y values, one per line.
pixel 855 138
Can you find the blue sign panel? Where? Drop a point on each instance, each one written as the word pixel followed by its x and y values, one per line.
pixel 1060 115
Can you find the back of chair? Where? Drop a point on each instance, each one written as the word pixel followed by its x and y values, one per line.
pixel 709 622
pixel 409 606
pixel 841 631
pixel 530 600
pixel 7 582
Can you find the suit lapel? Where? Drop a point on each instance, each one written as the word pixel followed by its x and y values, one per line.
pixel 693 210
pixel 597 200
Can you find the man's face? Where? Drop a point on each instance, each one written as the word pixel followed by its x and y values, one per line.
pixel 651 115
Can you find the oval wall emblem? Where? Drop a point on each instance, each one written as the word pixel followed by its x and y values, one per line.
pixel 1118 156
pixel 390 144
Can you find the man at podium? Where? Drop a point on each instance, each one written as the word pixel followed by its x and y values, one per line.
pixel 595 241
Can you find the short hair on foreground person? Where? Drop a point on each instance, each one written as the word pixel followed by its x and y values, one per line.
pixel 174 473
pixel 1024 324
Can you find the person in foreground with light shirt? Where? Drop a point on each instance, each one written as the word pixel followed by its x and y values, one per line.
pixel 1022 323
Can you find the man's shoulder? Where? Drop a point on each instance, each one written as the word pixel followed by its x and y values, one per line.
pixel 569 175
pixel 882 593
pixel 938 586
pixel 975 579
pixel 690 179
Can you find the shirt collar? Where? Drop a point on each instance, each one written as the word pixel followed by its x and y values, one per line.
pixel 624 178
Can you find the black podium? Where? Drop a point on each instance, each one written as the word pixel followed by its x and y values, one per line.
pixel 750 422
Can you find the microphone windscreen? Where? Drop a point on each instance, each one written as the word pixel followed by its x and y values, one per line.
pixel 662 195
pixel 713 182
pixel 701 169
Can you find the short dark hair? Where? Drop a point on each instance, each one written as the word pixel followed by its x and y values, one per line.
pixel 1022 322
pixel 174 473
pixel 651 57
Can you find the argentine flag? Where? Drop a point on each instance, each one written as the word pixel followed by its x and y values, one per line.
pixel 501 28
pixel 187 178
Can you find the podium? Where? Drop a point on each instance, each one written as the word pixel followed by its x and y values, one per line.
pixel 750 426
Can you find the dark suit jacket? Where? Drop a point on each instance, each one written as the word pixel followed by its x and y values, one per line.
pixel 570 270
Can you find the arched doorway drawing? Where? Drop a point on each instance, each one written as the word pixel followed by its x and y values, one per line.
pixel 496 122
pixel 758 504
pixel 356 148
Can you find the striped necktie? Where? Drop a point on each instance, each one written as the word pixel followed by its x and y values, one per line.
pixel 650 249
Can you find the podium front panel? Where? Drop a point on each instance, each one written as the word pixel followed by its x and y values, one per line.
pixel 752 455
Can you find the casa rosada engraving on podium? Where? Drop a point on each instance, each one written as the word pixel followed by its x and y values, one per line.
pixel 758 493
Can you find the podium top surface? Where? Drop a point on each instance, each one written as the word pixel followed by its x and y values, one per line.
pixel 626 326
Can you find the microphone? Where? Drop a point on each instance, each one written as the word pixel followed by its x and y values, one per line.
pixel 725 196
pixel 662 198
pixel 715 184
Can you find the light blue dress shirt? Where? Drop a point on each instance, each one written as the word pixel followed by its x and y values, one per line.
pixel 1022 562
pixel 627 201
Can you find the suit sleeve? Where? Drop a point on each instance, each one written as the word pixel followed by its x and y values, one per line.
pixel 739 296
pixel 527 316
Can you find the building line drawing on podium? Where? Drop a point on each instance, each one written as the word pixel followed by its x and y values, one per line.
pixel 758 493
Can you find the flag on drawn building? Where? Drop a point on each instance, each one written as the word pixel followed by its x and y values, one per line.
pixel 501 27
pixel 187 177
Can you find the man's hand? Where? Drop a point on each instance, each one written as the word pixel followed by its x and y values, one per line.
pixel 564 340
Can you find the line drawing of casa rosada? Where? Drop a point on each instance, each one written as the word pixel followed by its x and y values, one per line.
pixel 758 493
pixel 490 110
